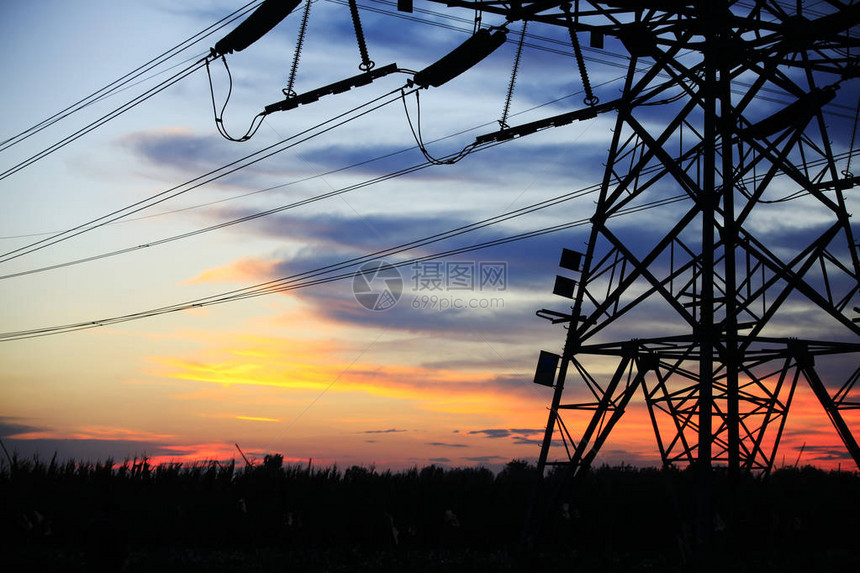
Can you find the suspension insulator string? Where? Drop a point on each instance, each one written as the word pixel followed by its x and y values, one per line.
pixel 590 99
pixel 366 63
pixel 503 123
pixel 289 91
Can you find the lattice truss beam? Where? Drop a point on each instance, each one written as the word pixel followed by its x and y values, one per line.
pixel 663 374
pixel 711 311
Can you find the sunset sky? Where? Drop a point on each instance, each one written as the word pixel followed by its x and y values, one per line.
pixel 444 376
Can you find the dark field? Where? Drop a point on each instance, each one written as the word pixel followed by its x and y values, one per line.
pixel 214 517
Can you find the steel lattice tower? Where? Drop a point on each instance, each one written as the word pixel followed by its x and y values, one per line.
pixel 696 127
pixel 710 315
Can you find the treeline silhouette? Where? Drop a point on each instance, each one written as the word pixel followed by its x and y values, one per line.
pixel 215 516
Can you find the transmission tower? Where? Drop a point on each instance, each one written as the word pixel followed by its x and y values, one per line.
pixel 709 318
pixel 711 314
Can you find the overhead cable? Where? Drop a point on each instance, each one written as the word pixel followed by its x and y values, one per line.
pixel 308 278
pixel 104 119
pixel 127 79
pixel 336 170
pixel 208 177
pixel 553 201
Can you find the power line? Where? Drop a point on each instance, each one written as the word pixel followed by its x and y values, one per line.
pixel 309 278
pixel 417 167
pixel 192 233
pixel 178 48
pixel 330 172
pixel 320 197
pixel 468 25
pixel 256 291
pixel 123 213
pixel 208 177
pixel 333 193
pixel 599 56
pixel 124 82
pixel 103 119
pixel 225 224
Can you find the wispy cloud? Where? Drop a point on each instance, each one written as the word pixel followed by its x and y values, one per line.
pixel 494 433
pixel 389 431
pixel 485 459
pixel 519 436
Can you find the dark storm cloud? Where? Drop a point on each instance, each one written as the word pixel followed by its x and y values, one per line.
pixel 335 238
pixel 516 164
pixel 180 150
pixel 481 363
pixel 522 441
pixel 389 431
pixel 526 431
pixel 9 427
pixel 367 233
pixel 484 459
pixel 88 449
pixel 519 434
pixel 493 433
pixel 529 266
pixel 828 453
pixel 617 457
pixel 336 302
pixel 368 158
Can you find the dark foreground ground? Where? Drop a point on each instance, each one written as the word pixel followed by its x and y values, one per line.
pixel 215 517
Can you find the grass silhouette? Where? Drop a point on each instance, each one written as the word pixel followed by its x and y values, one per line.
pixel 215 516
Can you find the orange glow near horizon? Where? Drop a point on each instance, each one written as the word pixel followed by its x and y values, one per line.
pixel 318 392
pixel 304 367
pixel 300 370
pixel 631 442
